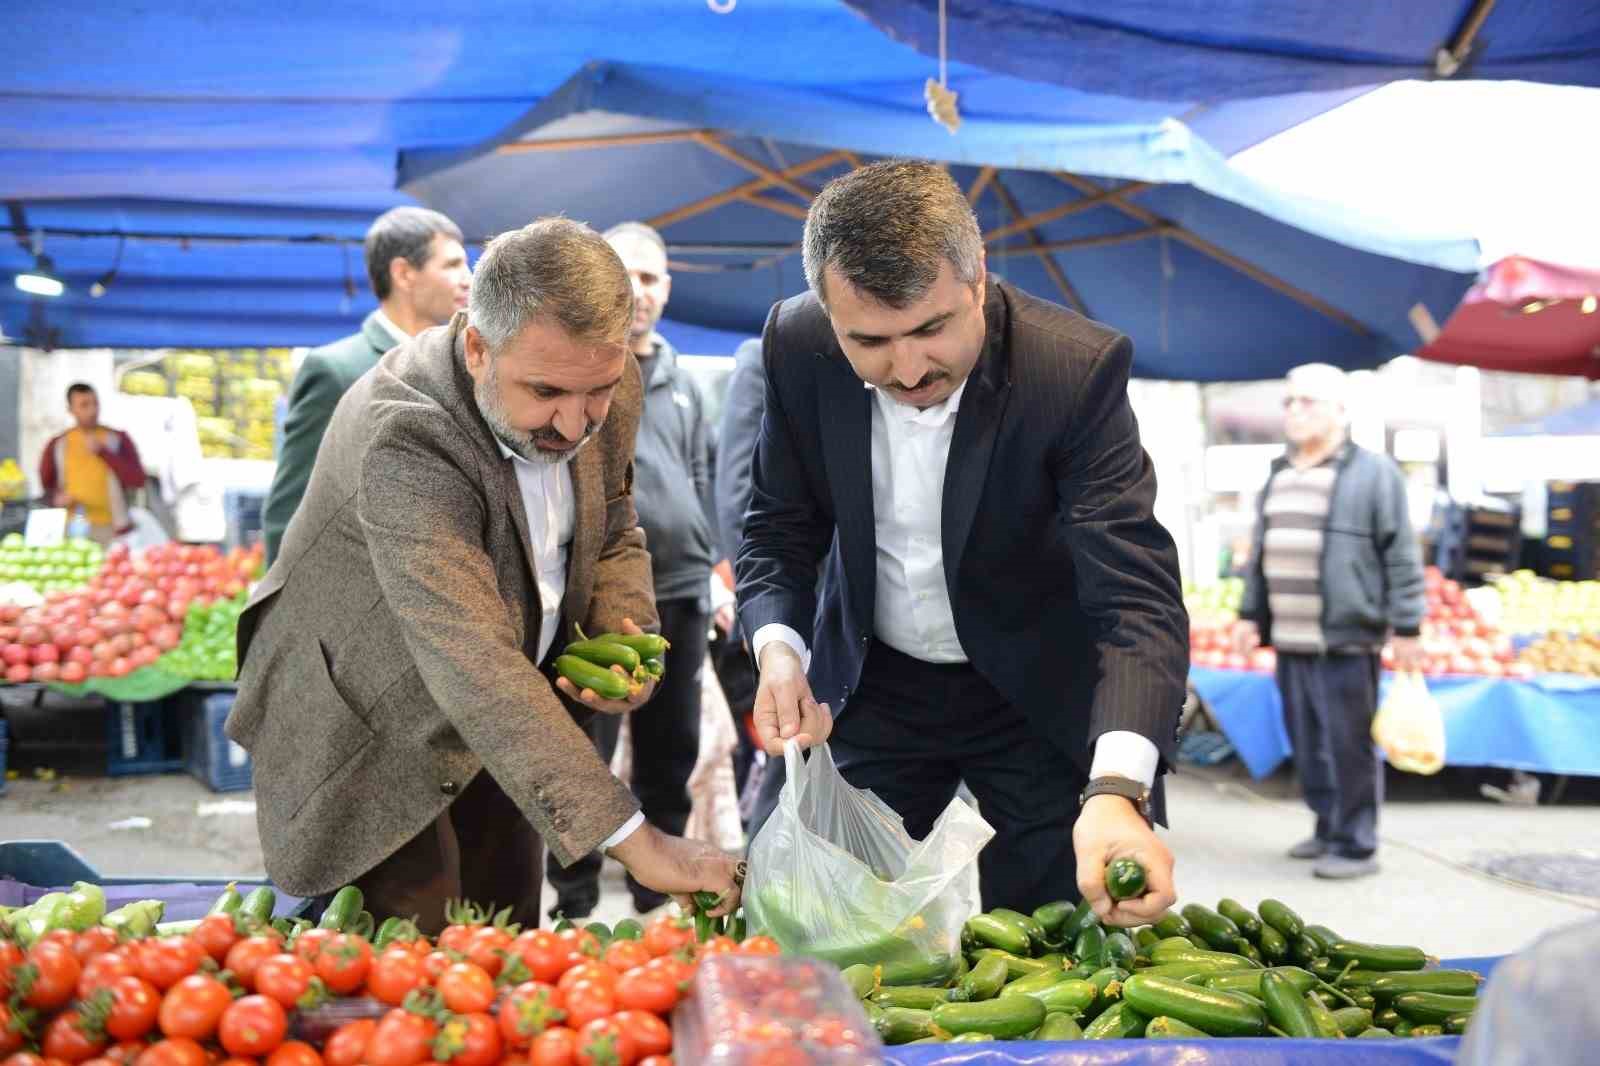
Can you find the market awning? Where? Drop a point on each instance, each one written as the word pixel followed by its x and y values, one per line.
pixel 1526 316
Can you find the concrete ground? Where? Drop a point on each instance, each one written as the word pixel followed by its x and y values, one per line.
pixel 1229 834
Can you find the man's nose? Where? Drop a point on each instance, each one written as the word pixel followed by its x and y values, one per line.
pixel 571 418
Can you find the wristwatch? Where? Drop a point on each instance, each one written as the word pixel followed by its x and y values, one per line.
pixel 1126 787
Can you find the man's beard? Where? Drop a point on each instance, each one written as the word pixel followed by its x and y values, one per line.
pixel 523 442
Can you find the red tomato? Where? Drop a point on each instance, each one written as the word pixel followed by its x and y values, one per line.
pixel 65 1039
pixel 466 988
pixel 253 1026
pixel 294 1053
pixel 469 1040
pixel 780 1055
pixel 56 975
pixel 285 978
pixel 648 1033
pixel 650 988
pixel 164 961
pixel 102 971
pixel 484 948
pixel 344 963
pixel 10 1035
pixel 833 1032
pixel 248 954
pixel 94 942
pixel 177 1052
pixel 455 938
pixel 718 945
pixel 11 957
pixel 542 953
pixel 194 1006
pixel 135 1004
pixel 26 1058
pixel 401 1039
pixel 679 969
pixel 530 1009
pixel 624 955
pixel 760 945
pixel 216 933
pixel 349 1042
pixel 394 974
pixel 554 1047
pixel 582 945
pixel 597 972
pixel 125 1052
pixel 309 944
pixel 435 963
pixel 587 1001
pixel 234 1060
pixel 604 1043
pixel 649 1060
pixel 667 935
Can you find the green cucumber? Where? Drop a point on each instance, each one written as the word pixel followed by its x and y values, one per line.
pixel 914 997
pixel 1166 953
pixel 901 1025
pixel 1125 878
pixel 628 929
pixel 604 654
pixel 961 969
pixel 1280 917
pixel 1090 946
pixel 1432 1008
pixel 1252 981
pixel 1242 946
pixel 229 902
pixel 1145 938
pixel 983 981
pixel 1118 950
pixel 1082 915
pixel 971 1038
pixel 1033 983
pixel 1364 979
pixel 1052 916
pixel 1107 983
pixel 1001 933
pixel 1119 1022
pixel 607 684
pixel 258 904
pixel 1193 972
pixel 1420 1031
pixel 1037 937
pixel 1274 945
pixel 1457 1024
pixel 925 970
pixel 1304 950
pixel 1449 982
pixel 1217 1013
pixel 1286 1007
pixel 1059 1027
pixel 1016 965
pixel 1323 937
pixel 1212 927
pixel 1388 957
pixel 648 645
pixel 1363 999
pixel 655 668
pixel 1164 1028
pixel 1374 1034
pixel 1175 943
pixel 1007 1017
pixel 1240 915
pixel 1053 961
pixel 1401 1028
pixel 1072 997
pixel 1327 1028
pixel 1172 925
pixel 1386 1018
pixel 1353 1021
pixel 861 979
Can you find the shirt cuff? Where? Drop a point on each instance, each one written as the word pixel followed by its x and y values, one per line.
pixel 627 830
pixel 1120 753
pixel 778 631
pixel 721 595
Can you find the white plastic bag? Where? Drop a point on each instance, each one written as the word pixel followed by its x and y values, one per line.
pixel 1409 727
pixel 833 874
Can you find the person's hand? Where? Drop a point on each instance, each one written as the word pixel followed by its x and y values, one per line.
pixel 1408 657
pixel 724 618
pixel 592 699
pixel 785 709
pixel 681 867
pixel 1110 827
pixel 1246 636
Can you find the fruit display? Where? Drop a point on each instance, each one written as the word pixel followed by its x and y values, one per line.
pixel 1562 653
pixel 132 613
pixel 234 393
pixel 1534 606
pixel 1198 973
pixel 67 566
pixel 13 482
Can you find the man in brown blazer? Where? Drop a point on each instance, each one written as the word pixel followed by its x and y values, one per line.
pixel 470 505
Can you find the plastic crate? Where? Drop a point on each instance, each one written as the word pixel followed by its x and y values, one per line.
pixel 208 754
pixel 243 511
pixel 142 738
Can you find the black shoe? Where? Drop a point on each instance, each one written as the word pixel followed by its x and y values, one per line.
pixel 573 909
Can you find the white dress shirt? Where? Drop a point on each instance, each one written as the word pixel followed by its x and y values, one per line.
pixel 398 335
pixel 547 499
pixel 912 611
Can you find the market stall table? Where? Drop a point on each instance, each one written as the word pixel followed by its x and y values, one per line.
pixel 1549 724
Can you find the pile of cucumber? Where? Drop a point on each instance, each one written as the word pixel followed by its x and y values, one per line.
pixel 1057 974
pixel 588 663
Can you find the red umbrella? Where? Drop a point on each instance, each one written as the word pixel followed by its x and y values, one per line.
pixel 1527 316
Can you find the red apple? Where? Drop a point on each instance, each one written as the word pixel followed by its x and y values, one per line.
pixel 32 634
pixel 44 653
pixel 74 673
pixel 121 667
pixel 18 675
pixel 47 672
pixel 83 654
pixel 14 655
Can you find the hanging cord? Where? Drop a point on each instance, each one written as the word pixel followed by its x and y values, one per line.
pixel 941 101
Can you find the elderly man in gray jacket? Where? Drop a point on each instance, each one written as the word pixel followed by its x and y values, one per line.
pixel 1335 570
pixel 471 504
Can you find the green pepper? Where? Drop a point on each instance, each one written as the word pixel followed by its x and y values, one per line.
pixel 43 915
pixel 229 902
pixel 648 645
pixel 84 907
pixel 607 684
pixel 135 920
pixel 604 653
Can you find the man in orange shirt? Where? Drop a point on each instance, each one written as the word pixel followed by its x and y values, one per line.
pixel 92 467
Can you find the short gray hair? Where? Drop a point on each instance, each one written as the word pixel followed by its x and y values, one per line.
pixel 405 232
pixel 888 228
pixel 556 268
pixel 640 230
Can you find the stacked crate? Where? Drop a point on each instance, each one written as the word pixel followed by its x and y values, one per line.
pixel 1571 547
pixel 1474 542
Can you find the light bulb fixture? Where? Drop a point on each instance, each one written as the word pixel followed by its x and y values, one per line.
pixel 1590 304
pixel 103 282
pixel 42 280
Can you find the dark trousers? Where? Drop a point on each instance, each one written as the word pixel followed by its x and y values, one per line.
pixel 1328 705
pixel 737 675
pixel 481 848
pixel 666 742
pixel 915 731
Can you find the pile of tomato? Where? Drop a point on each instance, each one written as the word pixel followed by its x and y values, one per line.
pixel 237 993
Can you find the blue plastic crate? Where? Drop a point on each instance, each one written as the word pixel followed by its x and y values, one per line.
pixel 208 754
pixel 4 744
pixel 142 738
pixel 243 511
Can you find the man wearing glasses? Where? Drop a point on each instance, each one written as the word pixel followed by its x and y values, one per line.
pixel 1334 570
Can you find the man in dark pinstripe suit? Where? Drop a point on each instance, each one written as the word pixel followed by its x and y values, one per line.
pixel 998 605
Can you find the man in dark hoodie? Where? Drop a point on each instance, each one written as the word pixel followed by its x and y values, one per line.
pixel 672 492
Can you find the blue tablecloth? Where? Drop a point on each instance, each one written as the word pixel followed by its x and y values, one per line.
pixel 1438 1051
pixel 1549 724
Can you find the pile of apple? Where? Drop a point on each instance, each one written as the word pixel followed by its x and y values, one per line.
pixel 128 616
pixel 1456 640
pixel 1538 606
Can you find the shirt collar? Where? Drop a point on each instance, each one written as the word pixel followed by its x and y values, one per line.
pixel 399 335
pixel 933 417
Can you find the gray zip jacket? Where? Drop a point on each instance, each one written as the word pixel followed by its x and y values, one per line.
pixel 1371 560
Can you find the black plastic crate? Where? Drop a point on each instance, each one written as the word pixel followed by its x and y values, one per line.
pixel 1569 557
pixel 143 738
pixel 208 754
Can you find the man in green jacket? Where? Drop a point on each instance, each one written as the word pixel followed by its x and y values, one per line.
pixel 418 269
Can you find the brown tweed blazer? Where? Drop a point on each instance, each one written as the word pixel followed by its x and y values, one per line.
pixel 387 656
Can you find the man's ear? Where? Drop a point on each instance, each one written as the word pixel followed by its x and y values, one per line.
pixel 400 271
pixel 477 350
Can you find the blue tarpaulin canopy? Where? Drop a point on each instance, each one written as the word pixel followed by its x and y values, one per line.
pixel 269 135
